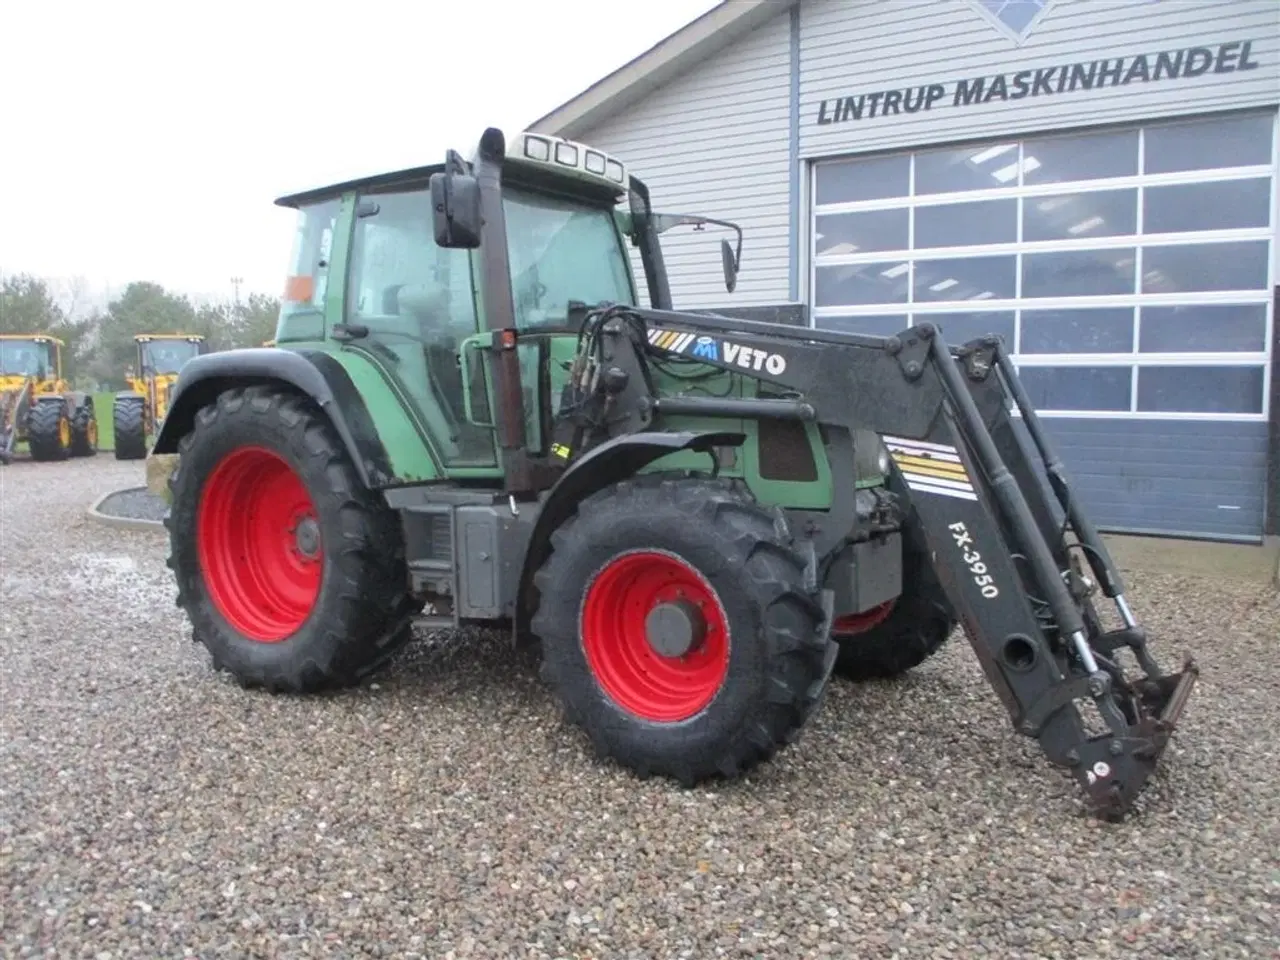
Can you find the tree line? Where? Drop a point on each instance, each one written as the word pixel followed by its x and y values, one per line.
pixel 99 342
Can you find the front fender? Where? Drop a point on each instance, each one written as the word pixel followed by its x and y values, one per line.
pixel 614 460
pixel 313 373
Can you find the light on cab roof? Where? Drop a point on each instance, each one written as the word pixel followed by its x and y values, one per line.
pixel 570 157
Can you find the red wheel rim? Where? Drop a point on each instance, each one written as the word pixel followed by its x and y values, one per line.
pixel 640 680
pixel 258 541
pixel 856 623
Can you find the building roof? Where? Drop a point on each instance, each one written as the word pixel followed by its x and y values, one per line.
pixel 690 45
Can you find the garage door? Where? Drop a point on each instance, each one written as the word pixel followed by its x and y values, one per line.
pixel 1130 271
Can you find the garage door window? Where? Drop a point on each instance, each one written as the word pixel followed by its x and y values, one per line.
pixel 1129 271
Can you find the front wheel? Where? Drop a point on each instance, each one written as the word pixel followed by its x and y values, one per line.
pixel 677 628
pixel 49 430
pixel 129 425
pixel 291 572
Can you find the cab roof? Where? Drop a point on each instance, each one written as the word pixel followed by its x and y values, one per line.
pixel 411 175
pixel 37 337
pixel 518 174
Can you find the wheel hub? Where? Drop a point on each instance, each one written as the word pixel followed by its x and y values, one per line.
pixel 306 537
pixel 260 545
pixel 674 628
pixel 655 635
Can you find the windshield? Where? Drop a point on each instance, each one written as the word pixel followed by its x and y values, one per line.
pixel 562 251
pixel 167 356
pixel 25 357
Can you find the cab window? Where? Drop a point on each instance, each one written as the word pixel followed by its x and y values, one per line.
pixel 561 250
pixel 417 301
pixel 302 307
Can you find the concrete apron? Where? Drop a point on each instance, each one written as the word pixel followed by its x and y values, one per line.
pixel 1139 554
pixel 1198 558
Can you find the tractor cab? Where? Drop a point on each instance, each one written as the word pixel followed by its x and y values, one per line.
pixel 33 355
pixel 369 270
pixel 165 355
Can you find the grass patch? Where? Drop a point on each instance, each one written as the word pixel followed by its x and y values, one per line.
pixel 102 404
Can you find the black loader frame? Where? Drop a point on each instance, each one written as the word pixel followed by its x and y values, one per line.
pixel 961 476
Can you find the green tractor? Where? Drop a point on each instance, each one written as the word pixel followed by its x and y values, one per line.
pixel 467 418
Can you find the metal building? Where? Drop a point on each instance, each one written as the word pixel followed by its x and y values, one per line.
pixel 1093 179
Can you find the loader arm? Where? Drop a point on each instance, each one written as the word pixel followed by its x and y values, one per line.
pixel 996 521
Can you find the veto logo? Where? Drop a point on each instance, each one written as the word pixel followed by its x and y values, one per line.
pixel 705 348
pixel 749 358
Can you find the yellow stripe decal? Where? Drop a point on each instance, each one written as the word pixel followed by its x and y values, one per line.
pixel 943 468
pixel 934 468
pixel 960 478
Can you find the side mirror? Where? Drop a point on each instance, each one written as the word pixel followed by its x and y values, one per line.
pixel 731 265
pixel 455 206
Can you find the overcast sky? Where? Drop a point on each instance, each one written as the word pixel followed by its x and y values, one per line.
pixel 147 140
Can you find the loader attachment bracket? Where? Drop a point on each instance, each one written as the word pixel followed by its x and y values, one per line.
pixel 1113 770
pixel 912 348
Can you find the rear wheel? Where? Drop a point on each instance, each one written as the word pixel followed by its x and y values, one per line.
pixel 291 572
pixel 890 639
pixel 49 430
pixel 129 424
pixel 677 629
pixel 84 430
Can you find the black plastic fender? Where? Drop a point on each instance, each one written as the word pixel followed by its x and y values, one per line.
pixel 608 463
pixel 310 372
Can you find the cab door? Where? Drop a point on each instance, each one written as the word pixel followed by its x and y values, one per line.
pixel 417 302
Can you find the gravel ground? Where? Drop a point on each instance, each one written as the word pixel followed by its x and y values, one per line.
pixel 152 809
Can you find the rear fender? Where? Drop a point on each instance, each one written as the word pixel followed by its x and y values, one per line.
pixel 608 463
pixel 313 374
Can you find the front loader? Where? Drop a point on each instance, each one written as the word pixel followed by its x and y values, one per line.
pixel 699 519
pixel 140 409
pixel 38 406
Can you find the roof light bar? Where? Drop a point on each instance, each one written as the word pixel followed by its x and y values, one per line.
pixel 569 157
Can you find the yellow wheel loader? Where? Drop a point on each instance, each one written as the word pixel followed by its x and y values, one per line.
pixel 139 411
pixel 37 406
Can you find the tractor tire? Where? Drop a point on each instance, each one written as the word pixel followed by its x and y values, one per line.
pixel 891 639
pixel 291 572
pixel 755 661
pixel 84 430
pixel 49 430
pixel 129 424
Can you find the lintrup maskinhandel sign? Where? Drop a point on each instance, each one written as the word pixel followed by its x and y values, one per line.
pixel 1042 81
